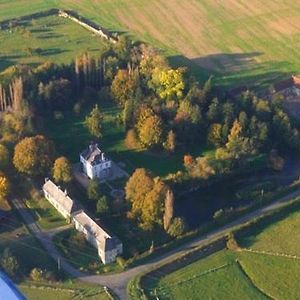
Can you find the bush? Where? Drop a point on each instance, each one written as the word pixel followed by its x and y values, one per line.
pixel 77 108
pixel 121 262
pixel 9 263
pixel 58 115
pixel 177 227
pixel 36 274
pixel 77 239
pixel 102 206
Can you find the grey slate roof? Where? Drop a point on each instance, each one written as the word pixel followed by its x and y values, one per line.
pixel 60 196
pixel 106 241
pixel 93 154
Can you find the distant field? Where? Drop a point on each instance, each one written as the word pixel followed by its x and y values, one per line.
pixel 237 40
pixel 242 275
pixel 46 39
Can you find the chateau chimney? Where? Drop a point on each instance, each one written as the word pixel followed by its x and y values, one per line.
pixel 66 192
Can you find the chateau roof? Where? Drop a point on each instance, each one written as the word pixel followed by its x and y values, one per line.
pixel 93 155
pixel 105 240
pixel 59 196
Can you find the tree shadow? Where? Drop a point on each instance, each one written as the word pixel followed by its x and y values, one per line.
pixel 50 36
pixel 53 51
pixel 236 70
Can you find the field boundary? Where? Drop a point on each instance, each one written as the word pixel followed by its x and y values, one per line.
pixel 68 14
pixel 139 282
pixel 242 269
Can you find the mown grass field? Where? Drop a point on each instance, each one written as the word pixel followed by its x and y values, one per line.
pixel 46 39
pixel 63 291
pixel 239 41
pixel 243 275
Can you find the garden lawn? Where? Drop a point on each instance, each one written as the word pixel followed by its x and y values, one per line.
pixel 71 137
pixel 81 255
pixel 45 213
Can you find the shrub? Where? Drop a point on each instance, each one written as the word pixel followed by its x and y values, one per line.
pixel 177 227
pixel 36 274
pixel 58 115
pixel 121 262
pixel 9 263
pixel 77 108
pixel 102 206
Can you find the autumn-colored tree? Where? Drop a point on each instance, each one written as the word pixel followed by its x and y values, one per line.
pixel 33 155
pixel 214 136
pixel 4 157
pixel 201 168
pixel 153 206
pixel 94 122
pixel 62 170
pixel 150 131
pixel 169 209
pixel 170 142
pixel 137 187
pixel 168 83
pixel 188 161
pixel 124 86
pixel 131 140
pixel 4 186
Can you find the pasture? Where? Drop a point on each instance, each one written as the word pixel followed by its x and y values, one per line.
pixel 241 42
pixel 50 38
pixel 239 274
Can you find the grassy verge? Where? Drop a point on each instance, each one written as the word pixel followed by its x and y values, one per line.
pixel 62 291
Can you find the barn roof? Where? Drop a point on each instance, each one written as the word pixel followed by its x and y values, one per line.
pixel 293 81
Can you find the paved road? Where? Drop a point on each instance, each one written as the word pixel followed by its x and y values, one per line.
pixel 118 282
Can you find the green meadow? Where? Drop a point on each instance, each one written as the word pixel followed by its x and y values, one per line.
pixel 241 42
pixel 231 274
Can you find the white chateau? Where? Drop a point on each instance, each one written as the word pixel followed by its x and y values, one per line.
pixel 107 245
pixel 94 162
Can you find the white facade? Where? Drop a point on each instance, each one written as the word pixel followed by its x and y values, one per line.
pixel 108 247
pixel 94 162
pixel 58 198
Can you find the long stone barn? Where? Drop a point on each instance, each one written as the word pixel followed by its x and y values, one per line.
pixel 108 246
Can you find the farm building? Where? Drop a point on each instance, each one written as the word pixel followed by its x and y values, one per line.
pixel 94 162
pixel 109 247
pixel 8 290
pixel 59 199
pixel 288 87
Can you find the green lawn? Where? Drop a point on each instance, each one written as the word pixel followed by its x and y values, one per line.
pixel 46 39
pixel 278 237
pixel 62 291
pixel 71 137
pixel 45 214
pixel 241 42
pixel 196 281
pixel 29 252
pixel 81 254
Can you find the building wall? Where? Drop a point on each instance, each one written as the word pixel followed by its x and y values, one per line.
pixel 100 170
pixel 58 207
